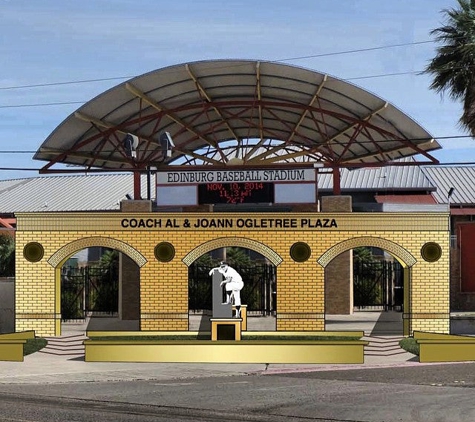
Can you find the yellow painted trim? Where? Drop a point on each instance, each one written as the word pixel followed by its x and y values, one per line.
pixel 435 347
pixel 424 335
pixel 11 350
pixel 57 299
pixel 22 335
pixel 226 351
pixel 406 322
pixel 234 322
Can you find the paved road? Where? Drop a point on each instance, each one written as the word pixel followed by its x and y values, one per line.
pixel 432 393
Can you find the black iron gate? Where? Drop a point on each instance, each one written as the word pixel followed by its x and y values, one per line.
pixel 258 293
pixel 378 285
pixel 88 290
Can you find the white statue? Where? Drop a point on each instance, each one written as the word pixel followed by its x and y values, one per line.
pixel 233 285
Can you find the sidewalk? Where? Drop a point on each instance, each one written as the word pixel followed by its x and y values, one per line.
pixel 40 368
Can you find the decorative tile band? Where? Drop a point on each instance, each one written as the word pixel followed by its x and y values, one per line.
pixel 300 316
pixel 163 316
pixel 376 242
pixel 37 316
pixel 224 242
pixel 86 242
pixel 425 316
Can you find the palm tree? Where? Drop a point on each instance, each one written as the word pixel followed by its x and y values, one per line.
pixel 453 68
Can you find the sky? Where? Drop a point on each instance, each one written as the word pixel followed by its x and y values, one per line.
pixel 76 50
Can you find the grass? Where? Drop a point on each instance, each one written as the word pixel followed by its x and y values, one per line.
pixel 32 345
pixel 301 338
pixel 244 338
pixel 410 345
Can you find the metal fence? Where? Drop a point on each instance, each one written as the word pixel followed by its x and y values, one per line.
pixel 258 293
pixel 88 290
pixel 378 285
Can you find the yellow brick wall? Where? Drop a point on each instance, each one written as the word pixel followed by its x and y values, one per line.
pixel 164 285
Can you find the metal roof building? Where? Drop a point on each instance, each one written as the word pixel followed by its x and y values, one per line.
pixel 66 193
pixel 104 192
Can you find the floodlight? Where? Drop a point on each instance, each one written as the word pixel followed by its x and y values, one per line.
pixel 167 144
pixel 131 142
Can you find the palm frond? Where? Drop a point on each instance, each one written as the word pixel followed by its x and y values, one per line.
pixel 453 67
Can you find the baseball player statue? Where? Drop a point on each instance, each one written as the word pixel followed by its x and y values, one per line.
pixel 233 284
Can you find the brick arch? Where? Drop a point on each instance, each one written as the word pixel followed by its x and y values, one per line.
pixel 398 251
pixel 87 242
pixel 224 242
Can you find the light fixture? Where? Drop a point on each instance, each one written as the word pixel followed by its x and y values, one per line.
pixel 131 142
pixel 167 144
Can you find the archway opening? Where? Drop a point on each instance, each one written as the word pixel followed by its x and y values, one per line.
pixel 378 281
pixel 364 290
pixel 100 290
pixel 259 294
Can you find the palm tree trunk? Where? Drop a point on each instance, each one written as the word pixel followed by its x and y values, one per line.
pixel 468 116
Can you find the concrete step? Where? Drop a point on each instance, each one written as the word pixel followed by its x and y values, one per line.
pixel 383 346
pixel 61 352
pixel 68 345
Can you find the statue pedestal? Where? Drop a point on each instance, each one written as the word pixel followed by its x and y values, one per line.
pixel 220 309
pixel 243 316
pixel 226 329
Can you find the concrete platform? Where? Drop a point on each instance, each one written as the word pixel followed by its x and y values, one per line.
pixel 371 323
pixel 462 323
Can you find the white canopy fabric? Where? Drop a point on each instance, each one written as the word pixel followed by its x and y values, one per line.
pixel 235 112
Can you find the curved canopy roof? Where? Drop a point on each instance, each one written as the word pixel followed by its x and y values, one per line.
pixel 246 113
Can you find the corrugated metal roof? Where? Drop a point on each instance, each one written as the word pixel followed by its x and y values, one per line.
pixel 461 178
pixel 104 192
pixel 379 179
pixel 67 193
pixel 6 185
pixel 405 199
pixel 207 105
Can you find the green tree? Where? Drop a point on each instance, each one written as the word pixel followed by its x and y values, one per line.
pixel 109 259
pixel 363 255
pixel 238 257
pixel 453 67
pixel 7 256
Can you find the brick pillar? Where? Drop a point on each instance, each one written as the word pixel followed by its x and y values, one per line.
pixel 129 289
pixel 339 272
pixel 136 206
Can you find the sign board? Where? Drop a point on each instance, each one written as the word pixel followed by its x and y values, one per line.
pixel 236 193
pixel 235 176
pixel 236 186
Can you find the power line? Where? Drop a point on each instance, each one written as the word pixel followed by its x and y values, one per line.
pixel 414 72
pixel 43 104
pixel 65 83
pixel 359 50
pixel 313 56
